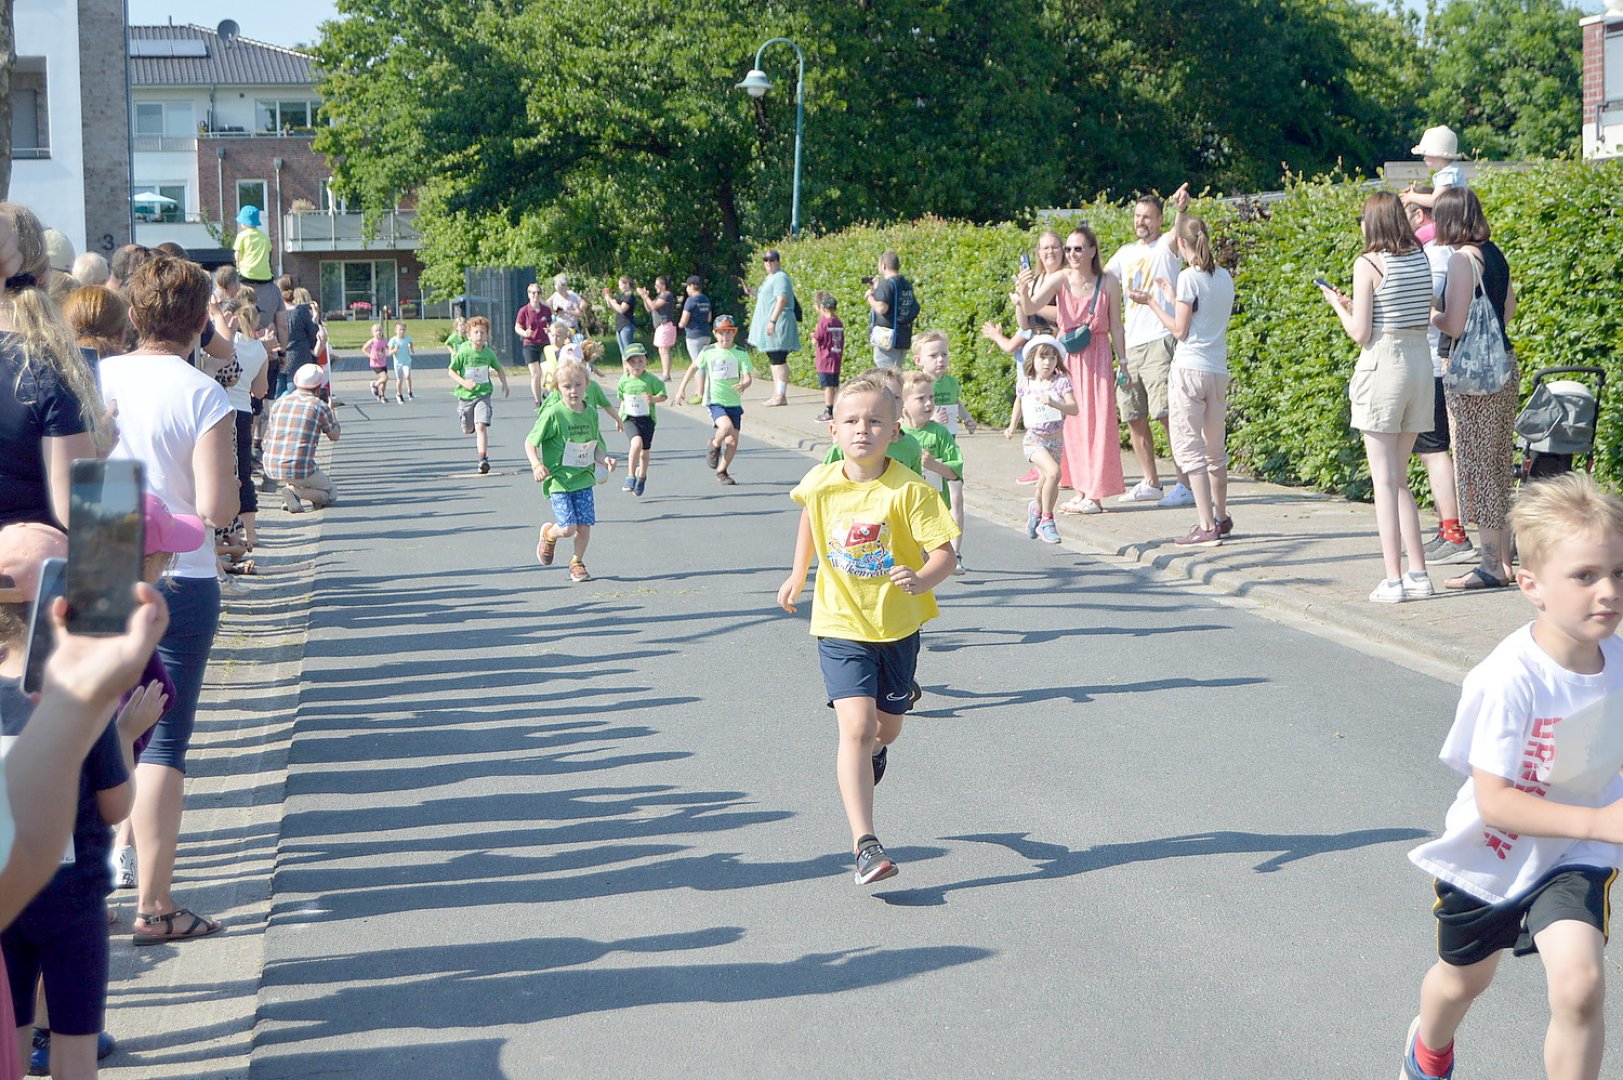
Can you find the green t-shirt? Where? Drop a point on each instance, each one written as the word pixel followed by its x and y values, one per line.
pixel 938 442
pixel 566 438
pixel 723 368
pixel 595 397
pixel 636 393
pixel 454 341
pixel 904 451
pixel 475 365
pixel 947 391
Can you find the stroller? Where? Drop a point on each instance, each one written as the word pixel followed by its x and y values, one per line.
pixel 1558 422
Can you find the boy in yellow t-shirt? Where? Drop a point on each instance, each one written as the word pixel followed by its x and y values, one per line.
pixel 883 540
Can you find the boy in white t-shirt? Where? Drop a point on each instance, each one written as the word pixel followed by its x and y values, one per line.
pixel 1530 848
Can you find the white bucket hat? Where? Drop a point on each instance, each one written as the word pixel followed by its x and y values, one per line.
pixel 1439 142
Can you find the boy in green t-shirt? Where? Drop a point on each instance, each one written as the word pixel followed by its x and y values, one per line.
pixel 882 541
pixel 904 449
pixel 638 391
pixel 930 354
pixel 472 365
pixel 941 453
pixel 724 373
pixel 565 447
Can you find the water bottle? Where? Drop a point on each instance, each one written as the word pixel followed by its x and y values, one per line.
pixel 1121 375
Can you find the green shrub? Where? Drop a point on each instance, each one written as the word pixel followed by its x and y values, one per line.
pixel 1288 416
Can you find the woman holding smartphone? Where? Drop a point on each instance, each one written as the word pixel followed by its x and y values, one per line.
pixel 179 423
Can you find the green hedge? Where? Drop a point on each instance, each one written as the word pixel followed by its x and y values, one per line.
pixel 1557 222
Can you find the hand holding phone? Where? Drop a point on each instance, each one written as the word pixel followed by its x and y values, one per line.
pixel 1323 284
pixel 1025 261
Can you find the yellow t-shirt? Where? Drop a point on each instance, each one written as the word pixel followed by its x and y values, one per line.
pixel 252 248
pixel 860 531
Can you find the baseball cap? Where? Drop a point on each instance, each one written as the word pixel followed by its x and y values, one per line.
pixel 174 534
pixel 696 281
pixel 723 322
pixel 634 349
pixel 23 547
pixel 59 251
pixel 308 377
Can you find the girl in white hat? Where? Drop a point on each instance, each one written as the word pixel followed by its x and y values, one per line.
pixel 1440 149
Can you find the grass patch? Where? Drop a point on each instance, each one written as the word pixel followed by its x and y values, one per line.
pixel 426 334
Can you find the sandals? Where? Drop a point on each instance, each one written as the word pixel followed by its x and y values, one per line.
pixel 246 566
pixel 198 928
pixel 1475 578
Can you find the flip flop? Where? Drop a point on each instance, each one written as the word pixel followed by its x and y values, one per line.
pixel 1474 579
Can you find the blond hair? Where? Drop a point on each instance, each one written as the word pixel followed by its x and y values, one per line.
pixel 247 315
pixel 889 377
pixel 1549 511
pixel 570 367
pixel 915 379
pixel 43 336
pixel 870 383
pixel 926 337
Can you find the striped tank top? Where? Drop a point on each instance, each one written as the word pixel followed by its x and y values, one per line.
pixel 1402 301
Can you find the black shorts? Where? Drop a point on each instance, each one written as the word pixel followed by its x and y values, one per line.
pixel 827 379
pixel 532 353
pixel 642 427
pixel 67 943
pixel 1436 440
pixel 778 356
pixel 1469 931
pixel 882 670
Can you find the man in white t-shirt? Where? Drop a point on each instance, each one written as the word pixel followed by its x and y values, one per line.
pixel 1139 265
pixel 1531 845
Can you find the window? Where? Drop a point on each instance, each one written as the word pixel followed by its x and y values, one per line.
pixel 165 118
pixel 251 193
pixel 30 126
pixel 169 205
pixel 284 117
pixel 148 118
pixel 372 281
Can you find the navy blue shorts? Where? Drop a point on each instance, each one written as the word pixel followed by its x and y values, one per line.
pixel 68 945
pixel 828 379
pixel 882 670
pixel 641 427
pixel 735 413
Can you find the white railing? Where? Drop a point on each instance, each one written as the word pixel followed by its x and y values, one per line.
pixel 394 230
pixel 148 144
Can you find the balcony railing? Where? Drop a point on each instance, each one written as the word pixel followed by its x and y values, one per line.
pixel 165 143
pixel 394 230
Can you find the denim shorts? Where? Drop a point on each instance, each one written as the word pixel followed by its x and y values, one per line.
pixel 882 670
pixel 574 507
pixel 735 413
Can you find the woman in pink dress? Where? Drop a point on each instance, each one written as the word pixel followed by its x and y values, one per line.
pixel 1087 296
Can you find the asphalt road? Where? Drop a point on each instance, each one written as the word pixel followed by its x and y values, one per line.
pixel 538 829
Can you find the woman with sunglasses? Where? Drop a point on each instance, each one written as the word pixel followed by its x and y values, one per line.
pixel 1088 302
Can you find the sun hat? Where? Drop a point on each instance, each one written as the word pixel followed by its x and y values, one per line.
pixel 1045 339
pixel 634 349
pixel 308 377
pixel 1439 142
pixel 23 547
pixel 249 216
pixel 173 534
pixel 59 251
pixel 723 322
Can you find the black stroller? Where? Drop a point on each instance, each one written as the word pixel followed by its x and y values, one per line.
pixel 1558 422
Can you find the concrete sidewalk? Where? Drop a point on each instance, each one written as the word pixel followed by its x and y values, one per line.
pixel 1293 552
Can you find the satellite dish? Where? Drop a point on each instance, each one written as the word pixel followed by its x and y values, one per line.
pixel 227 32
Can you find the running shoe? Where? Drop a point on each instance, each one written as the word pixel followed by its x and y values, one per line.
pixel 1388 592
pixel 713 457
pixel 1225 526
pixel 914 692
pixel 1177 495
pixel 1411 1067
pixel 958 567
pixel 39 1055
pixel 1441 550
pixel 630 485
pixel 1047 531
pixel 123 860
pixel 872 862
pixel 725 478
pixel 1198 537
pixel 1143 491
pixel 1032 518
pixel 825 417
pixel 577 571
pixel 547 547
pixel 398 400
pixel 642 484
pixel 484 466
pixel 290 502
pixel 1029 478
pixel 879 760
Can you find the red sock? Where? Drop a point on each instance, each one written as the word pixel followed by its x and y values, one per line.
pixel 1433 1062
pixel 1452 530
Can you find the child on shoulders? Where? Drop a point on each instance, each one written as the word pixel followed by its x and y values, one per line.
pixel 1440 149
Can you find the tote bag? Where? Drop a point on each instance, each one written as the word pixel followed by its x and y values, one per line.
pixel 1478 363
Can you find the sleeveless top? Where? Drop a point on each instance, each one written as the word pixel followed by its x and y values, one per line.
pixel 1495 284
pixel 1402 301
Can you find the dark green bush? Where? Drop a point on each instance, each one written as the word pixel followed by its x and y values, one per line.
pixel 1557 223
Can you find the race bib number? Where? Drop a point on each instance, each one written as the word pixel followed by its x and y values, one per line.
pixel 580 455
pixel 947 418
pixel 1039 413
pixel 476 373
pixel 724 367
pixel 636 404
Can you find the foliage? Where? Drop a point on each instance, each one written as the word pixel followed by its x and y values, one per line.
pixel 1558 224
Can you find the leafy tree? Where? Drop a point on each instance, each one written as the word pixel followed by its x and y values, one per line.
pixel 1506 76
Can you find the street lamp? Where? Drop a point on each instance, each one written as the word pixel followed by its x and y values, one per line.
pixel 756 85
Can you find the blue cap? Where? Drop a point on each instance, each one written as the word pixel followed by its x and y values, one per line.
pixel 249 216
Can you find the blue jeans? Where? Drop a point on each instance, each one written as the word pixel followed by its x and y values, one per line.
pixel 194 616
pixel 625 336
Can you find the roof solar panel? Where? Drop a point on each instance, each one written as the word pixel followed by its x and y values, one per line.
pixel 166 47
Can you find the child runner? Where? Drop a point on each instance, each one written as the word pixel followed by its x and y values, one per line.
pixel 471 368
pixel 458 335
pixel 725 371
pixel 904 448
pixel 829 338
pixel 930 354
pixel 565 447
pixel 400 349
pixel 882 540
pixel 377 358
pixel 941 453
pixel 1530 848
pixel 639 391
pixel 1042 398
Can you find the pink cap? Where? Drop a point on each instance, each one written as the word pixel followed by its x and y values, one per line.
pixel 174 534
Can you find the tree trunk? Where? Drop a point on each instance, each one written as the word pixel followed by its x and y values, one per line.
pixel 8 60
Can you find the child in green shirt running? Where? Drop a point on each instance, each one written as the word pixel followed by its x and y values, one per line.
pixel 941 454
pixel 904 449
pixel 472 365
pixel 458 335
pixel 639 391
pixel 930 354
pixel 724 373
pixel 565 447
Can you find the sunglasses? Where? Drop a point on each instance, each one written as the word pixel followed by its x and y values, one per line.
pixel 1069 250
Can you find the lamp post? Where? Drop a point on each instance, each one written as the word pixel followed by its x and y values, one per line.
pixel 756 85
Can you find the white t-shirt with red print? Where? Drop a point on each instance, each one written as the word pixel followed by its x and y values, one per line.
pixel 1509 723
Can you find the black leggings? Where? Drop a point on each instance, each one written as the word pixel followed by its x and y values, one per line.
pixel 245 463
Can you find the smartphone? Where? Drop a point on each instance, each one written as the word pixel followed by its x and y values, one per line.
pixel 1323 284
pixel 39 624
pixel 868 281
pixel 1025 261
pixel 106 543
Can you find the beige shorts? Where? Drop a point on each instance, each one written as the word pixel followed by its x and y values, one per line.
pixel 1197 418
pixel 1145 395
pixel 1392 387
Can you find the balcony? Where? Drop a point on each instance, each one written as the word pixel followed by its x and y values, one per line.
pixel 394 230
pixel 157 144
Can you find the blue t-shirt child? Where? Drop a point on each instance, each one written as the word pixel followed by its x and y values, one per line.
pixel 402 351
